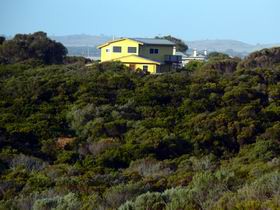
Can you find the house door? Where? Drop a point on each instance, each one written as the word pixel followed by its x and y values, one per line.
pixel 132 67
pixel 158 69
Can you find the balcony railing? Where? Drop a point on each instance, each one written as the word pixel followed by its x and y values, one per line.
pixel 173 59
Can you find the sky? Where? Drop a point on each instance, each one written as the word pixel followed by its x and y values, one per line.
pixel 251 21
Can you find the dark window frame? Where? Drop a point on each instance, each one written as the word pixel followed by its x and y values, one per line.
pixel 130 48
pixel 154 50
pixel 117 47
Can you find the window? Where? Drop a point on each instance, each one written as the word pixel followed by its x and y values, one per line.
pixel 145 68
pixel 117 49
pixel 107 50
pixel 154 51
pixel 131 49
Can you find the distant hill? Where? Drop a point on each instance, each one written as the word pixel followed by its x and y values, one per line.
pixel 231 47
pixel 84 45
pixel 220 45
pixel 81 40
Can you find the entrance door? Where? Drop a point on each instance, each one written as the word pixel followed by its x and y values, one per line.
pixel 132 67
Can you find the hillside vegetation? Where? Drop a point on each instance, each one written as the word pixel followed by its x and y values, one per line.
pixel 103 137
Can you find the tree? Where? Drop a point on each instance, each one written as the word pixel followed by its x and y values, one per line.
pixel 193 65
pixel 262 58
pixel 180 44
pixel 2 40
pixel 37 46
pixel 217 56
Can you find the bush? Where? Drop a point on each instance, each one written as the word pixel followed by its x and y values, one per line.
pixel 147 201
pixel 150 168
pixel 67 202
pixel 36 47
pixel 38 182
pixel 119 194
pixel 29 163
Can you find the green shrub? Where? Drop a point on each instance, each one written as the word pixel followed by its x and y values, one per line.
pixel 67 202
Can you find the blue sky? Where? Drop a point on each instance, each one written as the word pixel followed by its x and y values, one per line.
pixel 252 21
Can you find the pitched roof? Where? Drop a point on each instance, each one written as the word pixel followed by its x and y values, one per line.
pixel 135 59
pixel 109 42
pixel 149 41
pixel 153 41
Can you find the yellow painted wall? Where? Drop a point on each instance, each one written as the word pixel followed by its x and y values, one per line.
pixel 139 63
pixel 105 56
pixel 152 68
pixel 144 51
pixel 153 61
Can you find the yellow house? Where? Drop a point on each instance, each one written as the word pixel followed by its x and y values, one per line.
pixel 149 55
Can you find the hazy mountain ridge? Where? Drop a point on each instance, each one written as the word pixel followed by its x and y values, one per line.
pixel 228 46
pixel 81 40
pixel 79 44
pixel 214 45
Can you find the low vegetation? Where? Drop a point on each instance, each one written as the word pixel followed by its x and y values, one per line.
pixel 103 137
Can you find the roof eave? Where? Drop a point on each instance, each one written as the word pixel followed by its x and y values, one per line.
pixel 152 61
pixel 117 40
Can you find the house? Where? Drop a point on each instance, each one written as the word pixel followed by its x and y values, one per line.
pixel 195 56
pixel 148 55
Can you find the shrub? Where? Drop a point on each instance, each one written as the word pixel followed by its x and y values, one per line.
pixel 67 157
pixel 260 194
pixel 38 182
pixel 150 167
pixel 148 201
pixel 117 195
pixel 29 163
pixel 262 58
pixel 101 146
pixel 67 202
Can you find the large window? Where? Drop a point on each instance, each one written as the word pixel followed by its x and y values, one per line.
pixel 117 49
pixel 131 49
pixel 154 51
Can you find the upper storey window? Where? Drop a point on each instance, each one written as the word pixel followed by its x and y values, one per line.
pixel 131 49
pixel 117 49
pixel 154 51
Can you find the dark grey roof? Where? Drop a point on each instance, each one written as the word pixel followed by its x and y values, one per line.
pixel 153 41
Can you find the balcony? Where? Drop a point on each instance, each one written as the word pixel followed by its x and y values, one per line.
pixel 169 59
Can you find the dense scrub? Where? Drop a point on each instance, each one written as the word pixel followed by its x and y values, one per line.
pixel 34 48
pixel 105 138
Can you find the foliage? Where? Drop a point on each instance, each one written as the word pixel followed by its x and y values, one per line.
pixel 2 39
pixel 32 47
pixel 67 202
pixel 193 65
pixel 217 56
pixel 103 137
pixel 227 65
pixel 76 59
pixel 180 44
pixel 262 58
